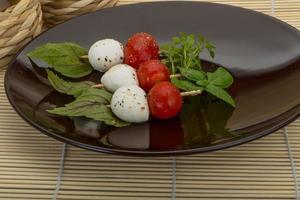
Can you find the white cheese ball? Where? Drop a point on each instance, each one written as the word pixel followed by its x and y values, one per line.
pixel 118 76
pixel 105 53
pixel 129 103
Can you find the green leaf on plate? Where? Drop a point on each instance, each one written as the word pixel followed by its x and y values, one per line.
pixel 202 83
pixel 192 74
pixel 185 85
pixel 71 88
pixel 91 104
pixel 220 93
pixel 221 78
pixel 96 95
pixel 63 58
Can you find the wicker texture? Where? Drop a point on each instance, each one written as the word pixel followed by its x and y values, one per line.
pixel 57 11
pixel 18 25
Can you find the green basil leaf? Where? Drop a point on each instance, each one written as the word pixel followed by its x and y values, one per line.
pixel 192 74
pixel 185 85
pixel 64 58
pixel 220 93
pixel 71 88
pixel 221 78
pixel 202 83
pixel 96 95
pixel 91 104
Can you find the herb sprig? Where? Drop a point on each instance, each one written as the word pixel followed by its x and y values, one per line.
pixel 182 56
pixel 184 51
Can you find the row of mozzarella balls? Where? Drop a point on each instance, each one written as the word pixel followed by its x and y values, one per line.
pixel 129 101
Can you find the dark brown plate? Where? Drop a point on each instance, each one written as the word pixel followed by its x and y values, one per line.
pixel 262 53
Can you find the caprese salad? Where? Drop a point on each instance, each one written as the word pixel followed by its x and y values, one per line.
pixel 139 81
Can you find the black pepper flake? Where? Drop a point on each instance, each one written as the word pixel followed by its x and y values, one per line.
pixel 110 60
pixel 121 58
pixel 139 103
pixel 105 59
pixel 98 59
pixel 143 108
pixel 128 89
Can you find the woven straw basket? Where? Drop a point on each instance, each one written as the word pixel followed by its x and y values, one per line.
pixel 18 25
pixel 57 11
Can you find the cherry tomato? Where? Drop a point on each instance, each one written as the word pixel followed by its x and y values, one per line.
pixel 140 47
pixel 164 100
pixel 152 72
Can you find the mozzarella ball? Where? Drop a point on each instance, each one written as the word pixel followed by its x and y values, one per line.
pixel 129 103
pixel 105 53
pixel 118 76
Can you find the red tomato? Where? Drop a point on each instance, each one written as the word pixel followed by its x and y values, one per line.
pixel 140 47
pixel 152 72
pixel 164 100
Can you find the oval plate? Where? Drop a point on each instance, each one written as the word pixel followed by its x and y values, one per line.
pixel 262 53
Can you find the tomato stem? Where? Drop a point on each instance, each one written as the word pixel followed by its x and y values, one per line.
pixel 191 93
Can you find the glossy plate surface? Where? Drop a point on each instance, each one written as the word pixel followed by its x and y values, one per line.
pixel 262 53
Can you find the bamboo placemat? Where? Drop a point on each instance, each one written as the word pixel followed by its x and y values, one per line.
pixel 33 166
